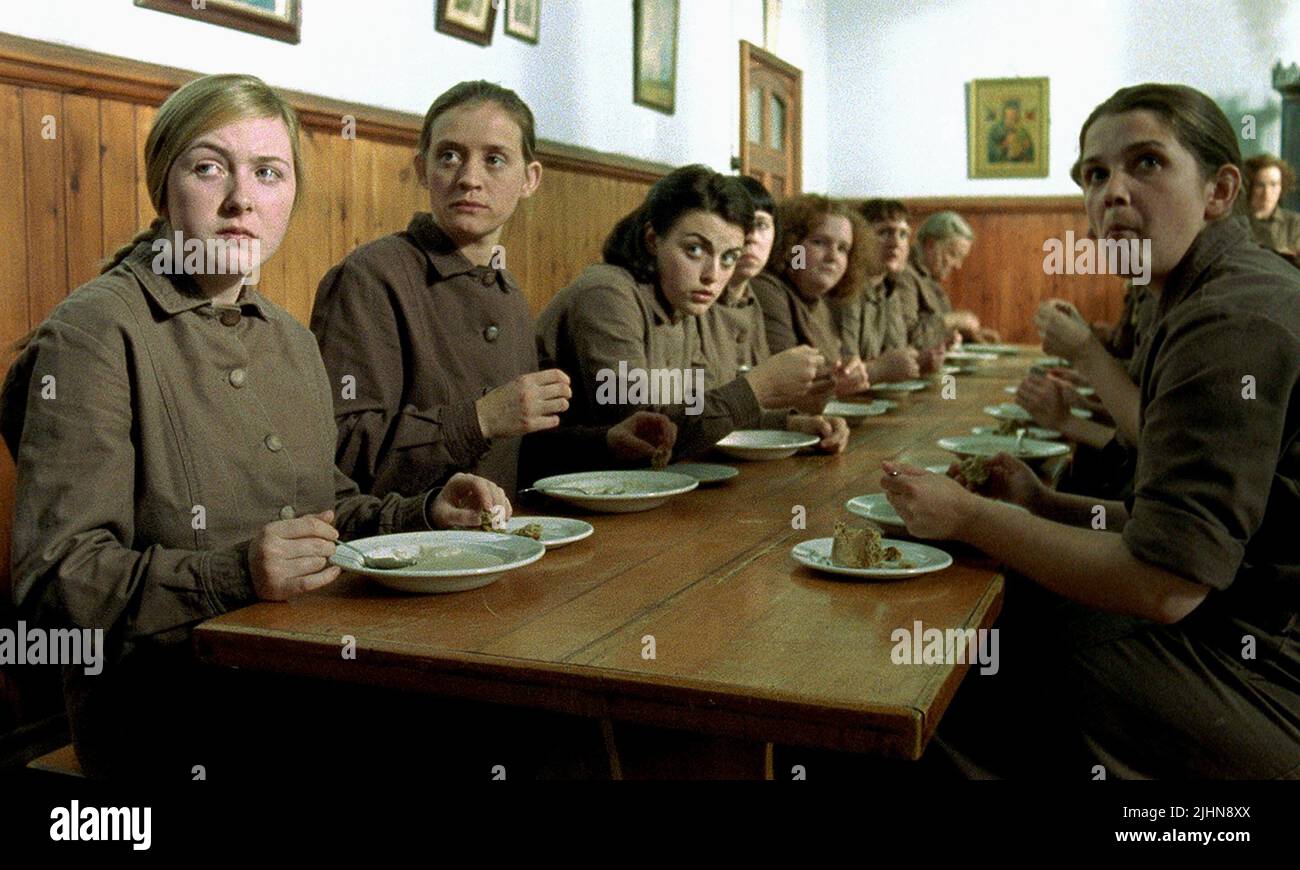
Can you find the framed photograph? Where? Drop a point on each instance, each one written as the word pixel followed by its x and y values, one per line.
pixel 274 19
pixel 1008 127
pixel 471 20
pixel 524 19
pixel 654 54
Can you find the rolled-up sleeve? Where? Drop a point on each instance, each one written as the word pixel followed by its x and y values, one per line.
pixel 74 526
pixel 1215 419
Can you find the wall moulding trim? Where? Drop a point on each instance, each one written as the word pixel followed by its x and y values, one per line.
pixel 34 63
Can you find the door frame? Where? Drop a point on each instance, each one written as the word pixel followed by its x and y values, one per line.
pixel 748 52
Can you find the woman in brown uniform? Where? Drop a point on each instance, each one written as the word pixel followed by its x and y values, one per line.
pixel 646 311
pixel 427 337
pixel 1268 179
pixel 174 441
pixel 737 306
pixel 1170 642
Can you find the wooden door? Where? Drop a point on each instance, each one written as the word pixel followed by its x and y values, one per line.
pixel 771 121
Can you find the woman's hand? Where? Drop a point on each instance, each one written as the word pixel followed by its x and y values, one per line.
pixel 290 557
pixel 463 497
pixel 833 431
pixel 931 360
pixel 1010 479
pixel 797 376
pixel 1046 400
pixel 899 364
pixel 932 505
pixel 1062 328
pixel 529 403
pixel 850 377
pixel 641 436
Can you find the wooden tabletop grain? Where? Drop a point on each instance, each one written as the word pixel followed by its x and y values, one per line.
pixel 691 616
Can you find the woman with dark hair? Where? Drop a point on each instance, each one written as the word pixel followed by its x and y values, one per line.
pixel 428 339
pixel 1158 636
pixel 646 316
pixel 738 307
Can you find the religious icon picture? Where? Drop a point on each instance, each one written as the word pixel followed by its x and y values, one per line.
pixel 470 20
pixel 274 19
pixel 1007 136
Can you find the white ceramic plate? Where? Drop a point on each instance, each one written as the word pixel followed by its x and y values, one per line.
pixel 616 492
pixel 816 554
pixel 1053 362
pixel 1030 432
pixel 970 355
pixel 956 370
pixel 1082 391
pixel 556 531
pixel 855 413
pixel 999 349
pixel 876 507
pixel 705 472
pixel 765 443
pixel 937 469
pixel 992 445
pixel 1011 411
pixel 899 387
pixel 450 561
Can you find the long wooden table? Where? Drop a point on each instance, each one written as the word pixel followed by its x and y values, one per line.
pixel 747 644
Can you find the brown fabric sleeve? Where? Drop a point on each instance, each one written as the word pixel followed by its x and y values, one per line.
pixel 360 337
pixel 778 318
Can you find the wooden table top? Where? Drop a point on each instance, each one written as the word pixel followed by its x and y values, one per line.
pixel 747 643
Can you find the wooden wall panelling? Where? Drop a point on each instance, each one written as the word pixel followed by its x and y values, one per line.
pixel 47 276
pixel 82 201
pixel 144 212
pixel 119 214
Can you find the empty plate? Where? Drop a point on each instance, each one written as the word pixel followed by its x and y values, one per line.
pixel 923 559
pixel 447 561
pixel 899 387
pixel 765 443
pixel 1030 432
pixel 556 531
pixel 999 349
pixel 1009 411
pixel 876 507
pixel 855 413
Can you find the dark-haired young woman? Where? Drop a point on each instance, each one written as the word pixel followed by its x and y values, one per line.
pixel 1167 639
pixel 647 308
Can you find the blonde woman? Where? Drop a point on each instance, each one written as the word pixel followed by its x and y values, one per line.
pixel 174 438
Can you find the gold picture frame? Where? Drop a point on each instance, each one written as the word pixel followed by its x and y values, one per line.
pixel 1008 128
pixel 654 54
pixel 524 19
pixel 470 20
pixel 274 19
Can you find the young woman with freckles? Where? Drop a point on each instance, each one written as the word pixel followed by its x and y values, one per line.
pixel 1166 642
pixel 428 338
pixel 649 307
pixel 182 465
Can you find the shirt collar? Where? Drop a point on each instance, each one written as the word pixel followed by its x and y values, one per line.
pixel 444 258
pixel 1207 248
pixel 174 294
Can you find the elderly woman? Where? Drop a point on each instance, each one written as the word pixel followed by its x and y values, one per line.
pixel 174 439
pixel 942 243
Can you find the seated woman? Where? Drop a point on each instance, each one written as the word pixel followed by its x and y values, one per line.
pixel 1268 179
pixel 1156 637
pixel 174 440
pixel 737 306
pixel 427 338
pixel 644 316
pixel 819 263
pixel 942 243
pixel 887 321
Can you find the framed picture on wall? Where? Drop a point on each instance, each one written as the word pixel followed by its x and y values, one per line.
pixel 1007 135
pixel 274 19
pixel 523 19
pixel 471 20
pixel 654 54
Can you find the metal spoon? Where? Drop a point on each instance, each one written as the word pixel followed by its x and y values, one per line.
pixel 380 561
pixel 1020 436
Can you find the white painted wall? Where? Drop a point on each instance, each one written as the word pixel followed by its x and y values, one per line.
pixel 578 79
pixel 900 69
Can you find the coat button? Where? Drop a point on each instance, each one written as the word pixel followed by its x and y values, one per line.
pixel 238 377
pixel 488 278
pixel 230 317
pixel 491 333
pixel 287 512
pixel 273 443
